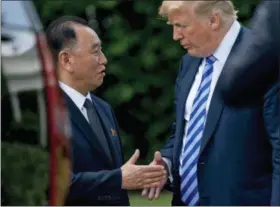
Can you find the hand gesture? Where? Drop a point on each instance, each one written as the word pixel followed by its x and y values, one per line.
pixel 141 176
pixel 154 192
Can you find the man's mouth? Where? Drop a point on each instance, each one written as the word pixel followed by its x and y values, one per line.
pixel 102 72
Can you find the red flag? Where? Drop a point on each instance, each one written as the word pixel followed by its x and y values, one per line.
pixel 58 130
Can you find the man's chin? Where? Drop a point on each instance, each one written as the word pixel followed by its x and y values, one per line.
pixel 194 53
pixel 191 53
pixel 97 85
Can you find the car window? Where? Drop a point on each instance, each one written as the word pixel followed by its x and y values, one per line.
pixel 14 15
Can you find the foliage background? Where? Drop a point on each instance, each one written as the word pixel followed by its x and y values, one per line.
pixel 141 72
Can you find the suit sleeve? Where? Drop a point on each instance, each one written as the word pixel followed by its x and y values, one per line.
pixel 272 122
pixel 167 150
pixel 94 185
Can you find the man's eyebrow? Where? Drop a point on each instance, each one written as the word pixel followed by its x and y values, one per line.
pixel 95 45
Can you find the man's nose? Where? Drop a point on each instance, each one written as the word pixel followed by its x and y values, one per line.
pixel 103 59
pixel 177 34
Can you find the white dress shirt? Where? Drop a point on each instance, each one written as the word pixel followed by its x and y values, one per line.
pixel 78 98
pixel 221 54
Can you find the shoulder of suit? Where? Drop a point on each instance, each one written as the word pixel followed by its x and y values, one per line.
pixel 185 57
pixel 100 101
pixel 246 30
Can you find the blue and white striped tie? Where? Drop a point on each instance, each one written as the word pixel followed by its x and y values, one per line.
pixel 188 165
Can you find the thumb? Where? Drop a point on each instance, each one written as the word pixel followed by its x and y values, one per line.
pixel 157 157
pixel 133 159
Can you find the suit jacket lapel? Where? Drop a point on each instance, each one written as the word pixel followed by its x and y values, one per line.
pixel 217 104
pixel 112 141
pixel 81 123
pixel 184 87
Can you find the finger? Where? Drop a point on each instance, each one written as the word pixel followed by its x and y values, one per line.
pixel 151 180
pixel 157 157
pixel 151 194
pixel 154 174
pixel 134 157
pixel 151 168
pixel 157 194
pixel 145 191
pixel 151 185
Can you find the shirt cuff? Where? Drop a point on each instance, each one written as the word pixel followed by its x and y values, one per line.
pixel 169 166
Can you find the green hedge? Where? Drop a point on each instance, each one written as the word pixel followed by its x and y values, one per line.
pixel 24 175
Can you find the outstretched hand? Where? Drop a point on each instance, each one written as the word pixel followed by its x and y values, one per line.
pixel 141 176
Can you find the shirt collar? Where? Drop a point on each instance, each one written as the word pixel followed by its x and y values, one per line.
pixel 78 98
pixel 225 46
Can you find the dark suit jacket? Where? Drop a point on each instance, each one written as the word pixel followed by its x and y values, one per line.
pixel 255 65
pixel 96 174
pixel 235 165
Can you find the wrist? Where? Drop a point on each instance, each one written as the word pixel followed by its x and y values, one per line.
pixel 122 179
pixel 166 167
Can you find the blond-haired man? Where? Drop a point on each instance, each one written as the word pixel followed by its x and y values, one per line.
pixel 217 154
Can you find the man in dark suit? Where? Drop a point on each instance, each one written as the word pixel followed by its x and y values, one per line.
pixel 255 65
pixel 254 69
pixel 217 154
pixel 99 176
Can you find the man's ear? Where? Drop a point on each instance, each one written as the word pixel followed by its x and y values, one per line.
pixel 215 21
pixel 65 59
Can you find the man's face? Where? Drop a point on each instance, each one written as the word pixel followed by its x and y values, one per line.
pixel 88 59
pixel 195 34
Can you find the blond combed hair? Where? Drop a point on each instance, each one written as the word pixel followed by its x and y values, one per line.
pixel 201 8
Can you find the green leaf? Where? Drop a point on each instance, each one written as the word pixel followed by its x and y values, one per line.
pixel 111 4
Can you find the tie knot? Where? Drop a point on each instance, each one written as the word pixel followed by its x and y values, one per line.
pixel 88 104
pixel 211 59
